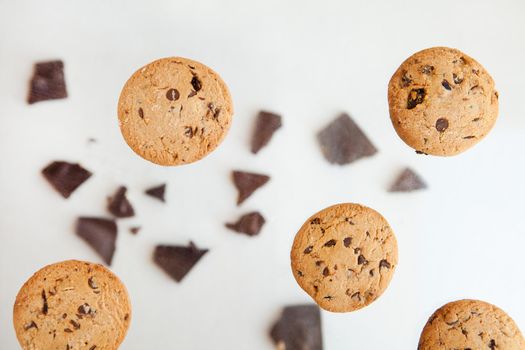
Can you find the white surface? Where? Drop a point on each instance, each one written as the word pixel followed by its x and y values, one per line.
pixel 309 61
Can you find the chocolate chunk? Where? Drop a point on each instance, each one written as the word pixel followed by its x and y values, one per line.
pixel 298 328
pixel 247 183
pixel 30 325
pixel 134 230
pixel 267 123
pixel 415 97
pixel 196 83
pixel 457 79
pixel 384 263
pixel 407 181
pixel 119 205
pixel 47 82
pixel 177 261
pixel 446 84
pixel 347 241
pixel 172 94
pixel 343 142
pixel 308 249
pixel 406 80
pixel 157 192
pixel 330 243
pixel 65 177
pixel 361 260
pixel 100 234
pixel 249 224
pixel 441 124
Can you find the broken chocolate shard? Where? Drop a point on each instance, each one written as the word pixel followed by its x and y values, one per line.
pixel 47 82
pixel 177 261
pixel 119 205
pixel 249 224
pixel 266 124
pixel 298 328
pixel 343 142
pixel 157 192
pixel 247 183
pixel 408 181
pixel 65 177
pixel 100 234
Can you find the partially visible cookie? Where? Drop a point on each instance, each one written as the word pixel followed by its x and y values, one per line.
pixel 442 101
pixel 72 305
pixel 174 111
pixel 470 324
pixel 344 257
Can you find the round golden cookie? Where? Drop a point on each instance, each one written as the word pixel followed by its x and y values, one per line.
pixel 442 101
pixel 470 324
pixel 72 305
pixel 174 111
pixel 344 257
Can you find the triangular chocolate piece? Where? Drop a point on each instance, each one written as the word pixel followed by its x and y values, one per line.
pixel 177 261
pixel 119 204
pixel 408 181
pixel 267 123
pixel 65 177
pixel 100 234
pixel 249 224
pixel 157 192
pixel 299 328
pixel 47 82
pixel 247 183
pixel 343 142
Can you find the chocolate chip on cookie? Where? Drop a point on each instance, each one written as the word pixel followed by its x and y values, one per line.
pixel 470 324
pixel 344 257
pixel 174 111
pixel 343 142
pixel 72 304
pixel 442 101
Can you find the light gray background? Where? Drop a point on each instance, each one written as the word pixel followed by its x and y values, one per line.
pixel 308 60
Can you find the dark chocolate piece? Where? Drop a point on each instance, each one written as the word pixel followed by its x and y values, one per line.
pixel 119 204
pixel 47 82
pixel 415 97
pixel 100 234
pixel 65 177
pixel 343 142
pixel 249 224
pixel 408 181
pixel 247 183
pixel 134 230
pixel 157 192
pixel 441 124
pixel 267 123
pixel 177 261
pixel 299 328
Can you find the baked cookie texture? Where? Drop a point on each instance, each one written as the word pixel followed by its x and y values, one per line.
pixel 470 324
pixel 344 257
pixel 442 102
pixel 174 111
pixel 72 305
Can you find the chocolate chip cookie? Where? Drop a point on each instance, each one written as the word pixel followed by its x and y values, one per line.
pixel 344 257
pixel 174 111
pixel 470 324
pixel 442 101
pixel 72 305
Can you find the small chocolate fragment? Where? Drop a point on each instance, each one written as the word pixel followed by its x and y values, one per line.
pixel 65 177
pixel 407 181
pixel 384 263
pixel 441 124
pixel 47 82
pixel 134 230
pixel 343 142
pixel 119 204
pixel 415 97
pixel 267 123
pixel 298 328
pixel 172 94
pixel 249 224
pixel 196 83
pixel 246 183
pixel 30 325
pixel 177 261
pixel 100 234
pixel 446 84
pixel 157 192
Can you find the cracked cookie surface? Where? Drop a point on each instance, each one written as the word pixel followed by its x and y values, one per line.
pixel 174 111
pixel 470 324
pixel 442 101
pixel 344 257
pixel 72 305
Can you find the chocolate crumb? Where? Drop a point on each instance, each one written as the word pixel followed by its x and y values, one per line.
pixel 75 324
pixel 457 79
pixel 134 230
pixel 45 306
pixel 141 113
